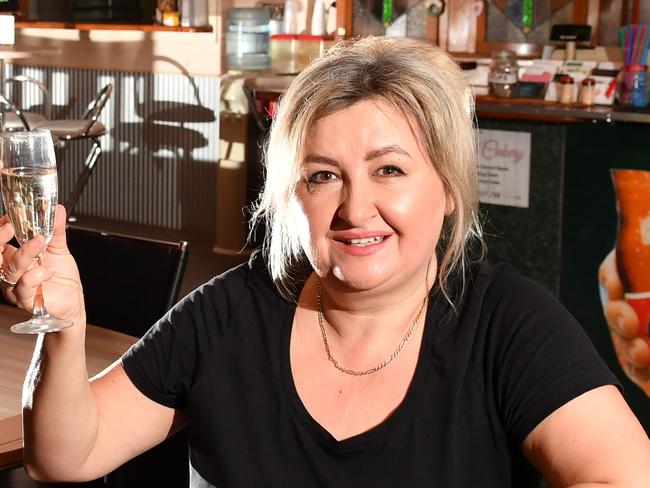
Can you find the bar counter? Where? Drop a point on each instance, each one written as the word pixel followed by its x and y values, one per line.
pixel 488 106
pixel 268 88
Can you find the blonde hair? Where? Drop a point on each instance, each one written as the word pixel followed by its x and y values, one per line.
pixel 420 80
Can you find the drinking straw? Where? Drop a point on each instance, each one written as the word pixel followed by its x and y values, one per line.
pixel 643 45
pixel 626 44
pixel 635 43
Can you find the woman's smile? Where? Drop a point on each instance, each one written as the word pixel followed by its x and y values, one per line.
pixel 362 246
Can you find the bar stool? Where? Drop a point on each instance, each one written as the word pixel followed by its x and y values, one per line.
pixel 87 127
pixel 17 119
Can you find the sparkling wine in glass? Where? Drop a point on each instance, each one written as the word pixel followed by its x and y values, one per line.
pixel 29 194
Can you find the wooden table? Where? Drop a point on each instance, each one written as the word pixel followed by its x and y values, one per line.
pixel 103 346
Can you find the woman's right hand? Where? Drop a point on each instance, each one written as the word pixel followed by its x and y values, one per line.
pixel 58 273
pixel 631 346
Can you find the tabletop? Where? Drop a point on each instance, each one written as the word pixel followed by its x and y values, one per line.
pixel 103 346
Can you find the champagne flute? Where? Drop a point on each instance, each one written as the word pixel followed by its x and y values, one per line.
pixel 29 194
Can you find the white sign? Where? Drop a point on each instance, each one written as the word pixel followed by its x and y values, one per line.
pixel 504 167
pixel 7 29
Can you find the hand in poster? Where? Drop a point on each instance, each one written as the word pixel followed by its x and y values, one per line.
pixel 632 348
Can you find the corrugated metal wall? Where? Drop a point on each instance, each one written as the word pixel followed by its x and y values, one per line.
pixel 160 157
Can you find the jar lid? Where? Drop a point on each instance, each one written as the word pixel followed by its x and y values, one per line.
pixel 588 82
pixel 504 54
pixel 255 14
pixel 566 79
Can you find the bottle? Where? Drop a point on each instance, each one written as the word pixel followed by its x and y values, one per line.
pixel 289 23
pixel 275 24
pixel 632 189
pixel 318 19
pixel 7 30
pixel 194 13
pixel 503 75
pixel 587 91
pixel 247 39
pixel 566 89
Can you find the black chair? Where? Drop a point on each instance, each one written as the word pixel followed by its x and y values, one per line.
pixel 129 282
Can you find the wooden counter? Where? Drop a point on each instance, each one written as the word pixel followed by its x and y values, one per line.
pixel 269 88
pixel 538 110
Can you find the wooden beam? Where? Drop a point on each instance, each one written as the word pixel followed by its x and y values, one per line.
pixel 463 20
pixel 432 29
pixel 344 15
pixel 636 11
pixel 588 12
pixel 593 19
pixel 481 30
pixel 443 28
pixel 580 11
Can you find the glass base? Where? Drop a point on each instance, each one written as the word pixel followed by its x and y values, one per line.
pixel 40 325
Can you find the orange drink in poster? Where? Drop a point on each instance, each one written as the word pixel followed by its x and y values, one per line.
pixel 633 240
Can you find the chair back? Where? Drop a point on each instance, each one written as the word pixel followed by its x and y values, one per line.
pixel 47 99
pixel 129 282
pixel 96 106
pixel 6 108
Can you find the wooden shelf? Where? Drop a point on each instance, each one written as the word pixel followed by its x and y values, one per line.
pixel 28 24
pixel 538 110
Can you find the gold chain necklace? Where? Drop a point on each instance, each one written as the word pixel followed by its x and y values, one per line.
pixel 384 363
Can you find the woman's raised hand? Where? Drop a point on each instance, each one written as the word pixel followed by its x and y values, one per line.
pixel 631 346
pixel 58 272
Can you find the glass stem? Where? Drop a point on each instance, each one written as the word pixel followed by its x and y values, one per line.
pixel 39 311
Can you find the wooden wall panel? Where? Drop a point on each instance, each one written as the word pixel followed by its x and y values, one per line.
pixel 462 26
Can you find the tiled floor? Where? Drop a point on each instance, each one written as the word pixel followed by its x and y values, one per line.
pixel 202 263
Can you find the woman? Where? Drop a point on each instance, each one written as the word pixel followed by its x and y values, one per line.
pixel 363 349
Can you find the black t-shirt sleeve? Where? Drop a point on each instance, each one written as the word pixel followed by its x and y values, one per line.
pixel 167 361
pixel 541 357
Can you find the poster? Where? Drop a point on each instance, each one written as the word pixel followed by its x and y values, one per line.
pixel 504 167
pixel 624 276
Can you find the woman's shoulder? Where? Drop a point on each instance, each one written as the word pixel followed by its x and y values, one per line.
pixel 240 278
pixel 500 283
pixel 529 354
pixel 230 291
pixel 499 302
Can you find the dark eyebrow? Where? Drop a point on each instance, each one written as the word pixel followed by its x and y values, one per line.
pixel 377 153
pixel 317 158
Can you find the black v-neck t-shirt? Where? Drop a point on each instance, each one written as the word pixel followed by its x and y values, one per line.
pixel 488 372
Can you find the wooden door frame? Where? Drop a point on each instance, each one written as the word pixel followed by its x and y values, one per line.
pixel 584 12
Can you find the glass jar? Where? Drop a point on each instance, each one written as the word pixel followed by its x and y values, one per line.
pixel 247 39
pixel 632 86
pixel 503 74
